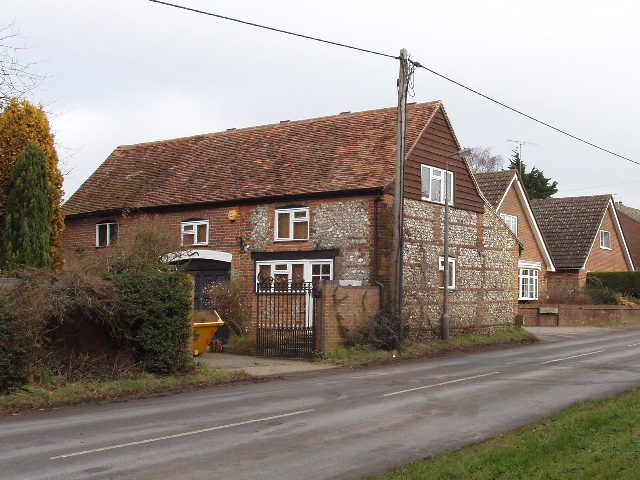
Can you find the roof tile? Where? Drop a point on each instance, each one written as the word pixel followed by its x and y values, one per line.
pixel 350 151
pixel 569 226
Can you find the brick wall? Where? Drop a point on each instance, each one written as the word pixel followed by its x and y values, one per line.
pixel 345 224
pixel 486 255
pixel 603 260
pixel 631 230
pixel 578 315
pixel 512 205
pixel 342 310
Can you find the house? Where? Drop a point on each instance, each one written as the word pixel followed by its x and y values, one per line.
pixel 310 201
pixel 505 192
pixel 583 234
pixel 630 222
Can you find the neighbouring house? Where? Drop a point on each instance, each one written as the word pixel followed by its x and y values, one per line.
pixel 309 202
pixel 505 192
pixel 629 218
pixel 583 234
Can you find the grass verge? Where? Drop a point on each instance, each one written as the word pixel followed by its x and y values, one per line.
pixel 590 440
pixel 61 393
pixel 362 355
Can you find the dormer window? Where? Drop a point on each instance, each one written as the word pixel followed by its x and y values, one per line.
pixel 605 239
pixel 106 233
pixel 292 224
pixel 433 184
pixel 195 232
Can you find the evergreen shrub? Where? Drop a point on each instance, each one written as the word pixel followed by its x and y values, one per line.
pixel 155 319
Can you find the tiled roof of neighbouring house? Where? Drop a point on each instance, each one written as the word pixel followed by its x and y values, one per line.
pixel 630 212
pixel 569 226
pixel 494 184
pixel 340 153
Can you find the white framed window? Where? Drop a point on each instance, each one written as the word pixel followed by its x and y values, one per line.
pixel 106 233
pixel 528 284
pixel 286 275
pixel 511 221
pixel 292 224
pixel 433 184
pixel 528 279
pixel 452 272
pixel 605 239
pixel 195 232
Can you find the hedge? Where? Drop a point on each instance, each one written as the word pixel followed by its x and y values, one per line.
pixel 155 319
pixel 627 283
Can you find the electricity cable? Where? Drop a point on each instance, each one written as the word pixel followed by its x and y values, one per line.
pixel 395 57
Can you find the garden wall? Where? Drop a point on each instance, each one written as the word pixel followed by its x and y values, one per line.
pixel 343 309
pixel 578 315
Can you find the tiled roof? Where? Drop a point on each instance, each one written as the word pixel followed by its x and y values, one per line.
pixel 630 212
pixel 569 226
pixel 494 184
pixel 346 152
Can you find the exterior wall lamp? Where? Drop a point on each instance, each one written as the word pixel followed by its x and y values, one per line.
pixel 444 319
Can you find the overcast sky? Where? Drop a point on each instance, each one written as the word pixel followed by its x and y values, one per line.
pixel 129 71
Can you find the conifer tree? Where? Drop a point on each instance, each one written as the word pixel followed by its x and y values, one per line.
pixel 27 220
pixel 20 123
pixel 536 184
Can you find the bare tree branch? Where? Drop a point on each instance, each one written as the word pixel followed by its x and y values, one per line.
pixel 482 160
pixel 17 79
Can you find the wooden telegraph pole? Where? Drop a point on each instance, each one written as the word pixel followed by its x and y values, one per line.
pixel 398 194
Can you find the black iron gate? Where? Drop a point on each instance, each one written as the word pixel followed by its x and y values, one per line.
pixel 286 320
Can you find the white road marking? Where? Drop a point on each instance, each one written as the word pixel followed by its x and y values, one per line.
pixel 178 435
pixel 439 384
pixel 574 356
pixel 633 345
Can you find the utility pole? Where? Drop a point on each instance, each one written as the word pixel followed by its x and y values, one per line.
pixel 398 194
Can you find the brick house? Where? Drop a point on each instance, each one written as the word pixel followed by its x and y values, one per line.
pixel 506 194
pixel 583 234
pixel 630 222
pixel 310 201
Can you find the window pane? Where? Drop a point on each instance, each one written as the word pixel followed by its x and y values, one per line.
pixel 300 214
pixel 297 273
pixel 102 235
pixel 202 233
pixel 426 181
pixel 449 188
pixel 188 239
pixel 301 230
pixel 436 189
pixel 113 232
pixel 283 225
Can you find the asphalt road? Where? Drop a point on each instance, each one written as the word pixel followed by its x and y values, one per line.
pixel 338 424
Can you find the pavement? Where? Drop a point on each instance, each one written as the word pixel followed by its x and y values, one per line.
pixel 259 366
pixel 262 366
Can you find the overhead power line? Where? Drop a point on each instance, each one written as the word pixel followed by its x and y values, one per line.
pixel 395 57
pixel 308 37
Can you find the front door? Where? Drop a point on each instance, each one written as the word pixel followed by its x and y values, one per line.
pixel 204 273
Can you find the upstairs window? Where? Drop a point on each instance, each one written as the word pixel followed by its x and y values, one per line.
pixel 292 224
pixel 511 221
pixel 433 184
pixel 195 232
pixel 605 239
pixel 106 233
